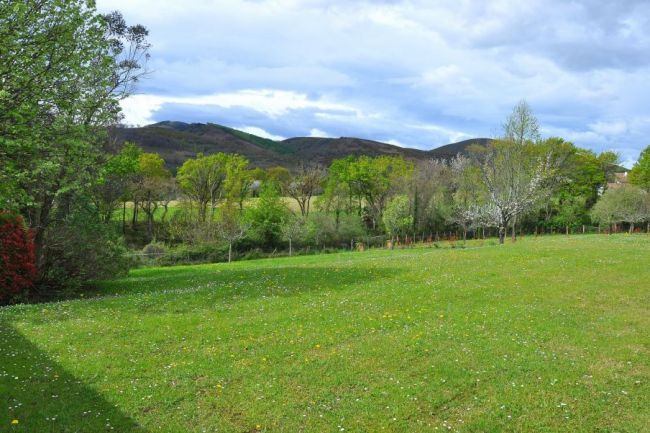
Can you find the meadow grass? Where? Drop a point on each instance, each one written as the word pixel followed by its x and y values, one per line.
pixel 546 335
pixel 177 205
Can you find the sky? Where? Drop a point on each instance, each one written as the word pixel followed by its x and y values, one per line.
pixel 415 73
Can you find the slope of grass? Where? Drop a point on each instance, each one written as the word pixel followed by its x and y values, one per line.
pixel 549 335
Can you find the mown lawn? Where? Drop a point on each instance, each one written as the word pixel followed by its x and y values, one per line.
pixel 546 335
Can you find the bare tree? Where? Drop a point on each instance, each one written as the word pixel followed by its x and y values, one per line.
pixel 303 185
pixel 468 195
pixel 169 193
pixel 231 227
pixel 431 186
pixel 521 126
pixel 293 229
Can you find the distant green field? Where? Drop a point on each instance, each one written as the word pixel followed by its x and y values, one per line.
pixel 545 335
pixel 175 205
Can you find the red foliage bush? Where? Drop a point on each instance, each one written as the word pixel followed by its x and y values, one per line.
pixel 17 258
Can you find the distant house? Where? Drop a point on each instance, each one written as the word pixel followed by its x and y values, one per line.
pixel 620 179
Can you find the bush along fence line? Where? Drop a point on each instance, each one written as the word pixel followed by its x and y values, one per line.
pixel 160 254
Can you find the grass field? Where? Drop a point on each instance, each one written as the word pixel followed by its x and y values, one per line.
pixel 546 335
pixel 175 205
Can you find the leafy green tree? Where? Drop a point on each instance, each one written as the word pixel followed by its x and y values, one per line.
pixel 202 180
pixel 80 247
pixel 268 216
pixel 239 180
pixel 279 175
pixel 640 173
pixel 377 179
pixel 397 217
pixel 115 182
pixel 571 210
pixel 628 204
pixel 151 186
pixel 339 191
pixel 63 69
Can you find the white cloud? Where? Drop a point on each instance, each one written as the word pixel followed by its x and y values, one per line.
pixel 452 135
pixel 261 133
pixel 609 128
pixel 385 68
pixel 139 109
pixel 315 132
pixel 395 142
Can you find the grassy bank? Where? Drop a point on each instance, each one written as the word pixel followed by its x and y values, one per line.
pixel 548 334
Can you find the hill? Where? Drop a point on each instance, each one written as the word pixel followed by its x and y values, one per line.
pixel 453 149
pixel 178 141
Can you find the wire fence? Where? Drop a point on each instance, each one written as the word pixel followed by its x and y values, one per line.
pixel 213 253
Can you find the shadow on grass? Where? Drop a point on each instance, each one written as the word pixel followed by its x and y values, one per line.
pixel 225 282
pixel 38 395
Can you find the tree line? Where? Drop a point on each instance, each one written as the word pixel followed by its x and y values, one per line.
pixel 518 182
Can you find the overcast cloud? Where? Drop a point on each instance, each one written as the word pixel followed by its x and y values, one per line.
pixel 415 73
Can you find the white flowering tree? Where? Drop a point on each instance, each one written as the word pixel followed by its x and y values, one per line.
pixel 515 178
pixel 516 171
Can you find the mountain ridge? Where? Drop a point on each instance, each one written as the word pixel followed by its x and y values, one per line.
pixel 178 141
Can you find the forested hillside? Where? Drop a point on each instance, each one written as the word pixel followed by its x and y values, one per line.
pixel 178 141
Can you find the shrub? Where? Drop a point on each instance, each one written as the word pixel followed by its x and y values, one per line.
pixel 154 249
pixel 397 216
pixel 80 248
pixel 323 231
pixel 17 259
pixel 268 216
pixel 188 254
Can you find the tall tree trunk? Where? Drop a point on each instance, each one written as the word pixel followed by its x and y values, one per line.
pixel 39 236
pixel 514 232
pixel 290 249
pixel 134 218
pixel 124 217
pixel 230 252
pixel 631 228
pixel 502 234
